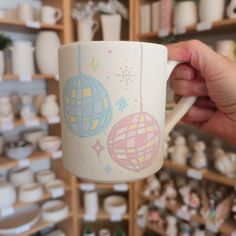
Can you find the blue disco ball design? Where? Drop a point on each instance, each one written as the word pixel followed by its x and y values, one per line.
pixel 87 106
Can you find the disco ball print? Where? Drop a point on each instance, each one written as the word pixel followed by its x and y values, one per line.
pixel 87 106
pixel 134 141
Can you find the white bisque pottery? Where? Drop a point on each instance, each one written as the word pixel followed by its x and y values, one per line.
pixel 2 63
pixel 185 14
pixel 211 10
pixel 7 193
pixel 111 27
pixel 50 107
pixel 47 44
pixel 145 18
pixel 25 12
pixel 91 202
pixel 23 58
pixel 6 111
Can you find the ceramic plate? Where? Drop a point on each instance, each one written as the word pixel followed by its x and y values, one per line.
pixel 21 221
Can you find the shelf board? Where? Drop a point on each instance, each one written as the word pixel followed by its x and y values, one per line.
pixel 206 174
pixel 101 215
pixel 156 229
pixel 18 25
pixel 34 76
pixel 192 30
pixel 7 163
pixel 42 225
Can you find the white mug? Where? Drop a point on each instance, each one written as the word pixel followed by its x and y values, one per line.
pixel 86 29
pixel 113 109
pixel 50 15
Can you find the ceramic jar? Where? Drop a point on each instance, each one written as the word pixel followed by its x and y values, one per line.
pixel 25 12
pixel 49 143
pixel 86 29
pixel 185 14
pixel 145 18
pixel 2 63
pixel 50 107
pixel 226 48
pixel 27 110
pixel 231 9
pixel 20 176
pixel 8 194
pixel 111 27
pixel 115 205
pixel 6 111
pixel 47 44
pixel 211 10
pixel 91 202
pixel 22 58
pixel 30 192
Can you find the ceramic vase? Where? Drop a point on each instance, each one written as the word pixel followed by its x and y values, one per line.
pixel 50 107
pixel 155 16
pixel 47 44
pixel 91 202
pixel 22 58
pixel 226 48
pixel 111 27
pixel 6 111
pixel 86 29
pixel 2 63
pixel 145 18
pixel 231 9
pixel 211 10
pixel 185 14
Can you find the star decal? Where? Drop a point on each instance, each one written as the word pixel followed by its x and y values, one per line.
pixel 98 148
pixel 108 169
pixel 94 64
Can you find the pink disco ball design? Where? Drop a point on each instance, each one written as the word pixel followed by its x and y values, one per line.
pixel 134 141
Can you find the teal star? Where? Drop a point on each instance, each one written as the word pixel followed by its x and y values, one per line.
pixel 94 64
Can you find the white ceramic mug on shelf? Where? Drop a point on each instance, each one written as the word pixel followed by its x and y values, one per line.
pixel 113 109
pixel 50 15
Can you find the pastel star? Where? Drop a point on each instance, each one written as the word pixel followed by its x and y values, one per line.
pixel 108 169
pixel 94 64
pixel 98 148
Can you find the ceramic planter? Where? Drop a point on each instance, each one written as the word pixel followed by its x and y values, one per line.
pixel 111 27
pixel 211 10
pixel 2 64
pixel 91 202
pixel 145 18
pixel 185 14
pixel 47 44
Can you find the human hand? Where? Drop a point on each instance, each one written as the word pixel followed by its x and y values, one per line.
pixel 210 77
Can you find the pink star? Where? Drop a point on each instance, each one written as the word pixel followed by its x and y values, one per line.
pixel 98 148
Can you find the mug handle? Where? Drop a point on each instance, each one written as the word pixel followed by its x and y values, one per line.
pixel 181 108
pixel 95 27
pixel 58 14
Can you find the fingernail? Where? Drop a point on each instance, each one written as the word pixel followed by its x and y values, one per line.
pixel 183 74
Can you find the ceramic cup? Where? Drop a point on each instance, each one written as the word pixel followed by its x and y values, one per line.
pixel 45 176
pixel 7 193
pixel 20 176
pixel 30 192
pixel 115 205
pixel 113 109
pixel 50 15
pixel 55 186
pixel 185 14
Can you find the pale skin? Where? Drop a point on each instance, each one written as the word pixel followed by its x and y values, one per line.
pixel 210 77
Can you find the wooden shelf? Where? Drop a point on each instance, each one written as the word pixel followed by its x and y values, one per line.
pixel 206 174
pixel 41 225
pixel 101 215
pixel 223 25
pixel 7 163
pixel 18 25
pixel 156 229
pixel 34 76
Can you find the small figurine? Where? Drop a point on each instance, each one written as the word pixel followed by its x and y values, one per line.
pixel 153 187
pixel 155 218
pixel 6 111
pixel 170 192
pixel 199 159
pixel 50 107
pixel 179 152
pixel 27 110
pixel 142 216
pixel 172 229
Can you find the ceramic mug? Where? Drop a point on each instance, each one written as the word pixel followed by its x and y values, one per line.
pixel 50 15
pixel 113 109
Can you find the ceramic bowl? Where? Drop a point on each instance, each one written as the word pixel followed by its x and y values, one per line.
pixel 54 210
pixel 45 176
pixel 115 205
pixel 18 150
pixel 33 136
pixel 49 143
pixel 22 220
pixel 20 176
pixel 55 185
pixel 30 192
pixel 7 194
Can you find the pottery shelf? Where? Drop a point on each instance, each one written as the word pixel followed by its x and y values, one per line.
pixel 102 215
pixel 115 187
pixel 42 225
pixel 226 228
pixel 223 25
pixel 34 76
pixel 7 163
pixel 17 25
pixel 210 175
